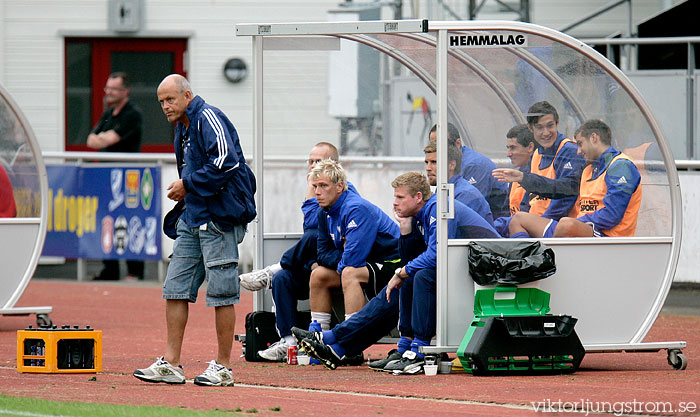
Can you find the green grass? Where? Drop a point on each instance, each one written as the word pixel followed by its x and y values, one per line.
pixel 31 407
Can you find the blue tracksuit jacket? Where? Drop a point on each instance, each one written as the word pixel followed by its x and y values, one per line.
pixel 360 230
pixel 378 316
pixel 563 190
pixel 219 184
pixel 477 169
pixel 468 195
pixel 466 224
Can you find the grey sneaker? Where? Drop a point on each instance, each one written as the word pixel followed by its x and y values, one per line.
pixel 392 357
pixel 301 334
pixel 277 352
pixel 216 375
pixel 257 280
pixel 409 363
pixel 161 371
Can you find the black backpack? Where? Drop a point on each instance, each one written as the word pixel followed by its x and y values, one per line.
pixel 260 333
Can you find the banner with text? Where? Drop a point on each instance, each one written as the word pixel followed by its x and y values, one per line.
pixel 103 213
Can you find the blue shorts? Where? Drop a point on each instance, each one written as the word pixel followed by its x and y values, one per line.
pixel 204 252
pixel 552 225
pixel 549 229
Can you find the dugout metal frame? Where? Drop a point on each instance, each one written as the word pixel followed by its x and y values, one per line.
pixel 616 303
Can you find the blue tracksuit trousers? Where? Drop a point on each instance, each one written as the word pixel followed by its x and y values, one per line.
pixel 364 328
pixel 418 304
pixel 303 253
pixel 423 315
pixel 292 282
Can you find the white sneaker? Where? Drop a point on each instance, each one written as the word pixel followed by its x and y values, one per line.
pixel 257 280
pixel 161 371
pixel 277 352
pixel 216 375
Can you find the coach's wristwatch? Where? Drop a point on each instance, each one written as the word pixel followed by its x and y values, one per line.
pixel 398 273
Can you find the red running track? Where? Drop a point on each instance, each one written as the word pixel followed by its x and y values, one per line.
pixel 131 317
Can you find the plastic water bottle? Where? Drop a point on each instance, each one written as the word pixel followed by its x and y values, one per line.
pixel 314 326
pixel 32 352
pixel 41 351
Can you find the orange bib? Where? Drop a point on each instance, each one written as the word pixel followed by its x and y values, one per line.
pixel 517 192
pixel 538 205
pixel 591 196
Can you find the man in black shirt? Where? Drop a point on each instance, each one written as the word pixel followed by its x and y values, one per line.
pixel 119 130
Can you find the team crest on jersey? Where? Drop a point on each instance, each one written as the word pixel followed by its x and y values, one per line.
pixel 622 180
pixel 568 165
pixel 472 181
pixel 352 224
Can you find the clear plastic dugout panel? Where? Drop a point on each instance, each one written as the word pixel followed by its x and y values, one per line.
pixel 23 188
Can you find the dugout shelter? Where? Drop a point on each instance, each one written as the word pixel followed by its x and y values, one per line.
pixel 482 76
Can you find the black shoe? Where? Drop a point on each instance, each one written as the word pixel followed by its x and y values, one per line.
pixel 301 334
pixel 409 363
pixel 379 365
pixel 355 360
pixel 322 352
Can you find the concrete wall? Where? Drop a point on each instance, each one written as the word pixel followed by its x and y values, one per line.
pixel 689 262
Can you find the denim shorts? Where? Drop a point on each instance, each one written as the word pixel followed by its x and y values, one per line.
pixel 204 252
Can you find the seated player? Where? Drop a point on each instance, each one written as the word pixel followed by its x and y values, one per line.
pixel 416 209
pixel 289 279
pixel 521 146
pixel 476 169
pixel 610 193
pixel 555 170
pixel 464 192
pixel 357 245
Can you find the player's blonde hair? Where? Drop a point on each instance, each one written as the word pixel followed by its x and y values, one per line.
pixel 414 182
pixel 333 170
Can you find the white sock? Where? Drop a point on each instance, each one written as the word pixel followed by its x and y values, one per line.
pixel 324 319
pixel 275 268
pixel 289 340
pixel 347 316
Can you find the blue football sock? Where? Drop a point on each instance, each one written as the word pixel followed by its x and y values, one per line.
pixel 338 349
pixel 404 344
pixel 520 235
pixel 416 344
pixel 329 337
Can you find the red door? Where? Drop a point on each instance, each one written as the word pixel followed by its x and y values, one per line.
pixel 89 61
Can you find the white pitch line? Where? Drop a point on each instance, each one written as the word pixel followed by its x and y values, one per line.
pixel 27 413
pixel 390 397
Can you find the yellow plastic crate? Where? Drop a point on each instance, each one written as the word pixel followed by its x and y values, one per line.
pixel 59 350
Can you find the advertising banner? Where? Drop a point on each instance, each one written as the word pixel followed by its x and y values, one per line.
pixel 103 212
